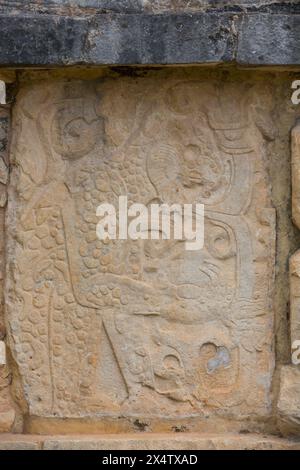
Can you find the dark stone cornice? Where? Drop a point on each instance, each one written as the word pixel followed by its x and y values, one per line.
pixel 249 38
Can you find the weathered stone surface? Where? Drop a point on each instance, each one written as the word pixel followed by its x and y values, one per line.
pixel 7 417
pixel 116 39
pixel 139 6
pixel 189 441
pixel 295 258
pixel 141 328
pixel 289 399
pixel 255 38
pixel 2 93
pixel 165 442
pixel 2 353
pixel 7 411
pixel 19 442
pixel 4 160
pixel 295 141
pixel 295 297
pixel 281 32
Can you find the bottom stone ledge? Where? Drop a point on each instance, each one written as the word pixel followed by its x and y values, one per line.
pixel 147 442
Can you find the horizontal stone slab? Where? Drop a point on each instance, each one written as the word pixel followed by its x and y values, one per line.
pixel 269 39
pixel 145 441
pixel 150 39
pixel 19 442
pixel 166 442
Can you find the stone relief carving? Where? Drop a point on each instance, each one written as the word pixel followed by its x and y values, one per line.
pixel 7 411
pixel 295 260
pixel 144 326
pixel 288 397
pixel 4 124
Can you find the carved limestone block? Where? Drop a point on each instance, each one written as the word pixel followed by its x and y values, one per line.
pixel 140 327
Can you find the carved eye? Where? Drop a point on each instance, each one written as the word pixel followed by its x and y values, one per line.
pixel 74 136
pixel 172 363
pixel 221 242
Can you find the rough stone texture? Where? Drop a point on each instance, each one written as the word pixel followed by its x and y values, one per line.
pixel 143 329
pixel 18 442
pixel 268 36
pixel 2 93
pixel 139 6
pixel 282 33
pixel 295 259
pixel 296 174
pixel 2 353
pixel 7 411
pixel 117 39
pixel 289 399
pixel 182 442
